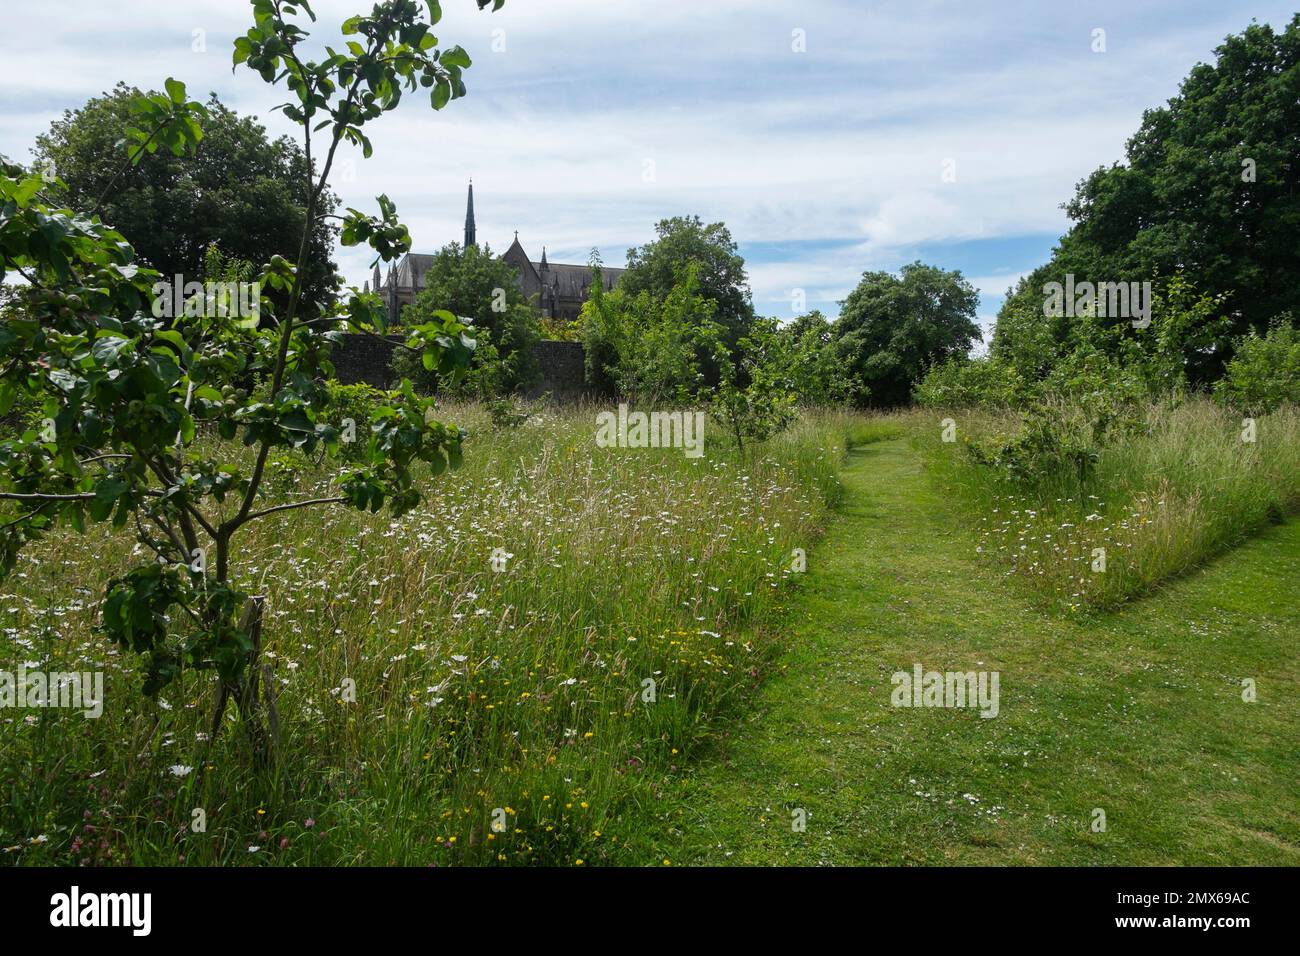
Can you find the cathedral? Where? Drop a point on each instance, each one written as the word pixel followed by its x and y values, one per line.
pixel 556 290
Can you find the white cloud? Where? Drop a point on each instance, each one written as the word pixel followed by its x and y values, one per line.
pixel 842 144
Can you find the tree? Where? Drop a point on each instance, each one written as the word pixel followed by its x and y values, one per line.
pixel 684 241
pixel 125 391
pixel 755 398
pixel 1166 350
pixel 811 364
pixel 236 188
pixel 479 287
pixel 893 328
pixel 1207 188
pixel 1265 371
pixel 646 349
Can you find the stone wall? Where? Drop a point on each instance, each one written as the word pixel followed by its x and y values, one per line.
pixel 364 358
pixel 563 370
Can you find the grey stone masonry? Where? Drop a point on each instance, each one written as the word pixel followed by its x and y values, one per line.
pixel 563 370
pixel 365 358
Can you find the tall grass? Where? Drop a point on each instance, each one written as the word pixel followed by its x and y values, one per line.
pixel 524 715
pixel 1158 502
pixel 867 431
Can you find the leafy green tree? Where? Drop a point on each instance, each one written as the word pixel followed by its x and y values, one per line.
pixel 1265 371
pixel 1025 338
pixel 125 392
pixel 660 266
pixel 1207 187
pixel 483 289
pixel 810 363
pixel 647 349
pixel 755 398
pixel 1094 356
pixel 1183 328
pixel 237 188
pixel 893 328
pixel 963 382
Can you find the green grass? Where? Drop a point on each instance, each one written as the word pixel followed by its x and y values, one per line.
pixel 1138 713
pixel 1159 502
pixel 476 691
pixel 522 691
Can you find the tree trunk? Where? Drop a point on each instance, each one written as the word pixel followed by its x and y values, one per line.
pixel 253 689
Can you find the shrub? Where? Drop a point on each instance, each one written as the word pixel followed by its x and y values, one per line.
pixel 560 330
pixel 355 404
pixel 1062 434
pixel 970 383
pixel 1181 341
pixel 490 374
pixel 1053 446
pixel 482 289
pixel 1094 377
pixel 754 400
pixel 1265 372
pixel 651 351
pixel 810 363
pixel 1156 498
pixel 509 412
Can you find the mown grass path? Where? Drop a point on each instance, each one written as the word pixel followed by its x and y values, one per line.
pixel 1138 713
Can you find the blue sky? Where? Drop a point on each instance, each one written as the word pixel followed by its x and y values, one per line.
pixel 824 162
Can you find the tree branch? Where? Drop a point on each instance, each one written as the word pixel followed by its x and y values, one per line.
pixel 291 310
pixel 78 496
pixel 21 518
pixel 160 469
pixel 292 505
pixel 37 496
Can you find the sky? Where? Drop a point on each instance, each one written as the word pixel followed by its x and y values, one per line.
pixel 831 137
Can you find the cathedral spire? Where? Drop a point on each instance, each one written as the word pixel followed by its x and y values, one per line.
pixel 544 265
pixel 469 217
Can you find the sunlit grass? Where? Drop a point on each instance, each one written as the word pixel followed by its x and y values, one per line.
pixel 433 710
pixel 1160 502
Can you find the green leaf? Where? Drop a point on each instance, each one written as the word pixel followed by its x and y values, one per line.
pixel 441 93
pixel 456 56
pixel 172 337
pixel 175 90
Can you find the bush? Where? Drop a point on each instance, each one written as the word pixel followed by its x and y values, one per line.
pixel 355 403
pixel 560 330
pixel 509 412
pixel 810 363
pixel 490 374
pixel 652 352
pixel 1265 372
pixel 1100 382
pixel 1067 354
pixel 1054 446
pixel 477 286
pixel 970 383
pixel 1062 434
pixel 753 400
